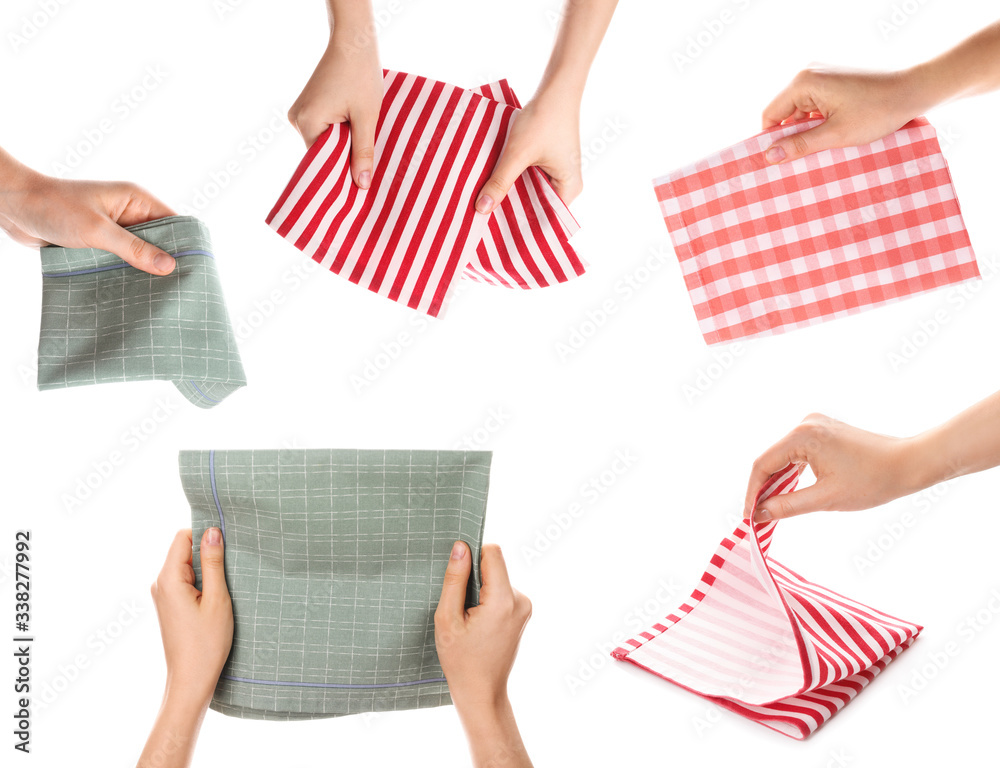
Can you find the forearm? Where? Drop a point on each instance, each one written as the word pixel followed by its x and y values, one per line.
pixel 971 67
pixel 171 742
pixel 582 28
pixel 970 442
pixel 494 739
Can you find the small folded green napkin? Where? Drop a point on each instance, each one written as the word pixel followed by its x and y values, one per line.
pixel 335 561
pixel 105 321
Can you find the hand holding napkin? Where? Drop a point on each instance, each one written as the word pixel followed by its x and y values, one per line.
pixel 105 321
pixel 335 561
pixel 767 248
pixel 415 230
pixel 759 640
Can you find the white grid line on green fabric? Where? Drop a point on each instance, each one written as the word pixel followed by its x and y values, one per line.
pixel 335 560
pixel 103 322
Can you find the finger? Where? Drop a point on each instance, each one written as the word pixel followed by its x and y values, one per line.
pixel 142 206
pixel 798 114
pixel 523 607
pixel 177 566
pixel 823 136
pixel 187 574
pixel 180 549
pixel 451 606
pixel 213 561
pixel 786 451
pixel 137 252
pixel 795 99
pixel 568 189
pixel 810 499
pixel 505 173
pixel 363 148
pixel 781 107
pixel 311 129
pixel 494 570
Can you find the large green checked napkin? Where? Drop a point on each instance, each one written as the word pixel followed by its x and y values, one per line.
pixel 104 321
pixel 335 561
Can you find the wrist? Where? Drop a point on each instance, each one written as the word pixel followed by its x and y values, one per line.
pixel 495 701
pixel 182 698
pixel 483 712
pixel 561 88
pixel 919 464
pixel 16 177
pixel 492 732
pixel 353 26
pixel 923 87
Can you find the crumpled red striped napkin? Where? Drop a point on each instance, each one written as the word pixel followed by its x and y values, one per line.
pixel 415 231
pixel 766 248
pixel 758 639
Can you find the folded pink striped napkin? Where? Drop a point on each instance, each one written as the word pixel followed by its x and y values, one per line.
pixel 760 640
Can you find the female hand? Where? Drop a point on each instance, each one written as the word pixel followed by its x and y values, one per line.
pixel 854 470
pixel 477 648
pixel 346 87
pixel 197 631
pixel 861 107
pixel 545 133
pixel 38 210
pixel 196 626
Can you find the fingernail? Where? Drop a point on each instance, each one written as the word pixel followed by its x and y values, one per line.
pixel 484 204
pixel 775 155
pixel 364 179
pixel 213 537
pixel 458 551
pixel 762 516
pixel 163 262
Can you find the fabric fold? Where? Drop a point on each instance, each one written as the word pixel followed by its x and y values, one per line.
pixel 768 248
pixel 335 561
pixel 760 640
pixel 415 231
pixel 105 321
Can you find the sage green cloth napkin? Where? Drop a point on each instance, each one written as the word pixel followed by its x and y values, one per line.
pixel 104 321
pixel 335 561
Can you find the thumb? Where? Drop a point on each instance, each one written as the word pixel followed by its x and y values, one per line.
pixel 505 173
pixel 823 136
pixel 213 572
pixel 809 499
pixel 363 149
pixel 135 251
pixel 456 579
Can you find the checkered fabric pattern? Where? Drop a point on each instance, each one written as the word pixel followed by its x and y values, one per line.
pixel 759 640
pixel 415 231
pixel 767 248
pixel 335 561
pixel 106 321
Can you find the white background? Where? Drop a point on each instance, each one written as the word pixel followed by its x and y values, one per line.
pixel 637 547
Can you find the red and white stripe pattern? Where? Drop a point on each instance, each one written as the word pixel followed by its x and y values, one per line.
pixel 527 244
pixel 763 642
pixel 415 230
pixel 767 248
